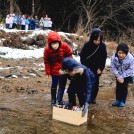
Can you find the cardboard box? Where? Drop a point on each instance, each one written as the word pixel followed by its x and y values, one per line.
pixel 69 116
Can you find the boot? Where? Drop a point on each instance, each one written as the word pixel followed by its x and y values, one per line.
pixel 53 96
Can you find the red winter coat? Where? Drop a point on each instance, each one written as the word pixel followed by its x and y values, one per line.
pixel 53 58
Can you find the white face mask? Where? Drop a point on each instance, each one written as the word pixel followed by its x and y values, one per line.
pixel 55 45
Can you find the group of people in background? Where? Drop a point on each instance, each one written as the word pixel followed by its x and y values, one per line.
pixel 24 22
pixel 84 77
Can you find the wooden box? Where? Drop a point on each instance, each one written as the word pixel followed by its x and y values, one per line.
pixel 69 116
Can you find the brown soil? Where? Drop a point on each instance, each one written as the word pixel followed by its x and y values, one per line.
pixel 25 104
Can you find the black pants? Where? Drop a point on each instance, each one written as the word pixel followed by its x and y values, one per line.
pixel 72 99
pixel 22 27
pixel 95 88
pixel 14 25
pixel 122 90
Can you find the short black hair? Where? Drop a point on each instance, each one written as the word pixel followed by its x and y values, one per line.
pixel 95 35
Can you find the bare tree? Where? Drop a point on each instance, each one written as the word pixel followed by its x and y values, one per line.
pixel 32 7
pixel 11 6
pixel 103 14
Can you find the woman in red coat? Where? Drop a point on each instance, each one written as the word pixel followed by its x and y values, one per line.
pixel 54 53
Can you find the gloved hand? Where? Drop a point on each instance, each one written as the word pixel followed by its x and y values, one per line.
pixel 84 109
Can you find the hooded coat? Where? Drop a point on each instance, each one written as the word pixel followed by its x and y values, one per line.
pixel 92 56
pixel 53 58
pixel 83 80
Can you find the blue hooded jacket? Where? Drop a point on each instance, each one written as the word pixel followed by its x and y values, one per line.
pixel 82 81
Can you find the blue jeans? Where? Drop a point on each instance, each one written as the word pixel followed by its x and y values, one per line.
pixel 61 82
pixel 55 80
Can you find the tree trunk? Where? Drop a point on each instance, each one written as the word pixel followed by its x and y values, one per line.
pixel 32 7
pixel 11 6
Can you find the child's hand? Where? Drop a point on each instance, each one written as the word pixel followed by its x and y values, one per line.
pixel 120 80
pixel 99 71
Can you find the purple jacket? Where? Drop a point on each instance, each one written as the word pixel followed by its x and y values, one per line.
pixel 123 68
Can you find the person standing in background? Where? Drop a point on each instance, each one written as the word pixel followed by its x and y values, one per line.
pixel 50 23
pixel 32 23
pixel 45 23
pixel 19 22
pixel 23 19
pixel 10 21
pixel 27 24
pixel 36 22
pixel 41 23
pixel 14 21
pixel 7 21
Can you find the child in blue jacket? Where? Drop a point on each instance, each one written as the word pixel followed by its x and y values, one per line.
pixel 122 64
pixel 81 83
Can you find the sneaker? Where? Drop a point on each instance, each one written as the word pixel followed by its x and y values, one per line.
pixel 116 103
pixel 122 104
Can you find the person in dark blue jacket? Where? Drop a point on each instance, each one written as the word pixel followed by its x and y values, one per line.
pixel 32 24
pixel 81 83
pixel 93 55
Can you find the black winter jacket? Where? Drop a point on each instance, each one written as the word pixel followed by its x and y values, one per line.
pixel 95 61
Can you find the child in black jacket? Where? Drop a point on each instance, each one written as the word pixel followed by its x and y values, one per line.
pixel 93 56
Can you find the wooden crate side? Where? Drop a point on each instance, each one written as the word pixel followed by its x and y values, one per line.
pixel 69 116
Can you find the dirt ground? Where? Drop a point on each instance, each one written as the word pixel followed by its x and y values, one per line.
pixel 25 103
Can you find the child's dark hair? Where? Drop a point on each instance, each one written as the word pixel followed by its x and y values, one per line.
pixel 95 35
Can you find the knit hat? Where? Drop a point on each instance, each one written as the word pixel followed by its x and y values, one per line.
pixel 122 47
